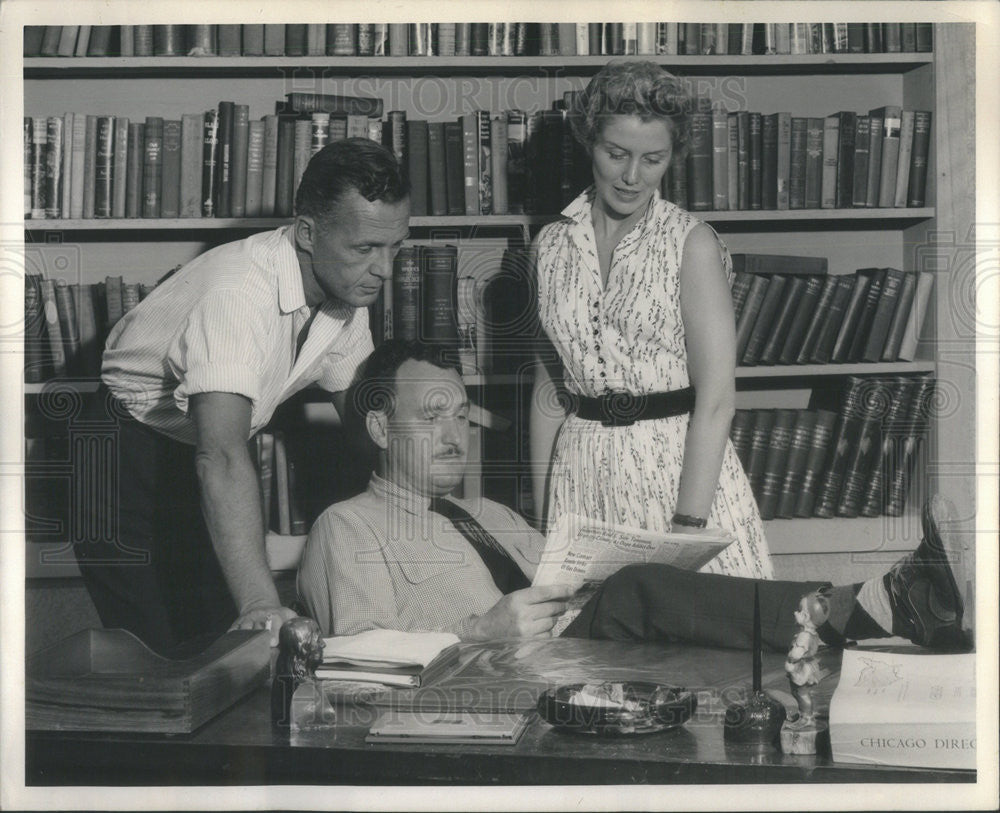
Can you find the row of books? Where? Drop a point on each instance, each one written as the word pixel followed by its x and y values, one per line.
pixel 799 316
pixel 748 160
pixel 856 461
pixel 66 324
pixel 485 317
pixel 476 39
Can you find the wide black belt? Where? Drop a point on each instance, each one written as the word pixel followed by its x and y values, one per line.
pixel 625 408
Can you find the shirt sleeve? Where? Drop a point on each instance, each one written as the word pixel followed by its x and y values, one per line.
pixel 343 580
pixel 343 360
pixel 220 348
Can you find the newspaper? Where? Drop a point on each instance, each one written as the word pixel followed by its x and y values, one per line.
pixel 583 552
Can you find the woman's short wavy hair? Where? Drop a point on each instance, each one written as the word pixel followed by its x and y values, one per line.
pixel 637 88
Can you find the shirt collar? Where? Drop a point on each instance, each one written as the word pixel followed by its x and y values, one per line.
pixel 291 296
pixel 398 496
pixel 579 209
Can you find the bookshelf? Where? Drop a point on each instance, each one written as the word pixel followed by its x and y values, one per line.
pixel 808 84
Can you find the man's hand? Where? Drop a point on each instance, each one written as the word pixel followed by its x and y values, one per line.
pixel 527 613
pixel 264 618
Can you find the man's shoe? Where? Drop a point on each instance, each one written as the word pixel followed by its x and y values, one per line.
pixel 926 603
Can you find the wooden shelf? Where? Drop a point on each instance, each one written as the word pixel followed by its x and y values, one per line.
pixel 816 370
pixel 794 219
pixel 145 67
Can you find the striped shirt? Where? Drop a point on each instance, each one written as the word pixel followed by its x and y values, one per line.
pixel 382 560
pixel 228 321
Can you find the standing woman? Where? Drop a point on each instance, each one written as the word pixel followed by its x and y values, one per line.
pixel 633 294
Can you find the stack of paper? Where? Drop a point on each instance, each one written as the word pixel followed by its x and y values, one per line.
pixel 391 657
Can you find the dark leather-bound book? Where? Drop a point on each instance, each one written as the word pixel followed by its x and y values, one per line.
pixel 819 447
pixel 769 161
pixel 341 39
pixel 171 183
pixel 783 168
pixel 284 182
pixel 32 40
pixel 90 166
pixel 908 37
pixel 875 127
pixel 699 174
pixel 36 348
pixel 210 157
pixel 133 183
pixel 892 38
pixel 812 331
pixel 253 39
pixel 852 316
pixel 917 186
pixel 742 160
pixel 862 157
pixel 416 163
pixel 760 437
pixel 756 149
pixel 53 166
pixel 764 323
pixel 797 172
pixel 119 173
pixel 224 162
pixel 439 268
pixel 739 291
pixel 787 264
pixel 740 433
pixel 192 133
pixel 900 317
pixel 915 429
pixel 832 319
pixel 274 39
pixel 168 40
pixel 100 40
pixel 517 158
pixel 925 37
pixel 813 190
pixel 749 312
pixel 785 315
pixel 860 337
pixel 799 445
pixel 334 104
pixel 845 158
pixel 437 168
pixel 406 321
pixel 454 167
pixel 295 39
pixel 845 436
pixel 775 462
pixel 882 319
pixel 152 188
pixel 238 168
pixel 893 431
pixel 230 40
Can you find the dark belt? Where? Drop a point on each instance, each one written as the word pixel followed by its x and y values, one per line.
pixel 624 408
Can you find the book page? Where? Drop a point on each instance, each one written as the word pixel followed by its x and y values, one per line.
pixel 384 647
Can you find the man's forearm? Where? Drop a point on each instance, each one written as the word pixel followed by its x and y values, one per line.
pixel 231 504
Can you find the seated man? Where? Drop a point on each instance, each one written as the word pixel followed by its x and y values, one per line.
pixel 403 556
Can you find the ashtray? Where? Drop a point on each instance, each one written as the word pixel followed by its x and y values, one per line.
pixel 616 708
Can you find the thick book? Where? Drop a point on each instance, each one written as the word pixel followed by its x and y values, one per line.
pixel 192 134
pixel 168 40
pixel 832 319
pixel 82 41
pixel 341 39
pixel 842 442
pixel 875 131
pixel 437 168
pixel 253 39
pixel 113 299
pixel 915 319
pixel 699 162
pixel 815 326
pixel 284 182
pixel 439 269
pixel 764 323
pixel 454 168
pixel 108 680
pixel 133 183
pixel 170 205
pixel 53 327
pixel 760 437
pixel 517 158
pixel 913 430
pixel 417 166
pixel 862 156
pixel 498 164
pixel 720 159
pixel 119 173
pixel 238 171
pixel 786 264
pixel 67 40
pixel 799 446
pixel 270 170
pixel 448 727
pixel 152 178
pixel 783 159
pixel 54 166
pixel 784 317
pixel 295 39
pixel 891 116
pixel 394 657
pixel 860 338
pixel 406 296
pixel 813 187
pixel 742 177
pixel 831 153
pixel 39 145
pixel 916 710
pixel 485 163
pixel 78 164
pixel 274 39
pixel 881 321
pixel 755 147
pixel 900 316
pixel 224 160
pixel 916 194
pixel 255 168
pixel 852 317
pixel 797 172
pixel 769 161
pixel 90 166
pixel 906 125
pixel 893 431
pixel 739 291
pixel 748 314
pixel 91 338
pixel 775 462
pixel 210 157
pixel 301 102
pixel 740 432
pixel 50 40
pixel 69 327
pixel 202 40
pixel 847 121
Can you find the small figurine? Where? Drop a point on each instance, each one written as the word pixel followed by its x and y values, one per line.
pixel 300 651
pixel 799 736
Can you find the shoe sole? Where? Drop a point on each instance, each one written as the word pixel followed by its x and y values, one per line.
pixel 939 511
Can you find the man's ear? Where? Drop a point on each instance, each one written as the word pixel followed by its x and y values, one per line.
pixel 304 230
pixel 377 425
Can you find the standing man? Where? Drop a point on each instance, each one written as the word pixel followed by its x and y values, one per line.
pixel 198 368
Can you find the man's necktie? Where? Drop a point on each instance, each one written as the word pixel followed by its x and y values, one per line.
pixel 503 569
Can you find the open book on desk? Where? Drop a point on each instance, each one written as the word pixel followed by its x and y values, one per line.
pixel 583 552
pixel 392 657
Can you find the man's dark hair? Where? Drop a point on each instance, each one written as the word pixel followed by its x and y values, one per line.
pixel 375 385
pixel 346 164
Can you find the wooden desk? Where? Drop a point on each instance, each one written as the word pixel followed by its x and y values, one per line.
pixel 240 747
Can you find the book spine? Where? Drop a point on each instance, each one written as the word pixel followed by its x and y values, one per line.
pixel 39 146
pixel 113 299
pixel 891 119
pixel 759 441
pixel 862 455
pixel 255 168
pixel 742 160
pixel 284 183
pixel 852 316
pixel 860 337
pixel 50 40
pixel 274 39
pixel 879 330
pixel 67 40
pixel 485 162
pixel 35 367
pixel 265 468
pixel 168 40
pixel 417 165
pixel 104 166
pixel 86 315
pixel 784 159
pixel 813 187
pixel 805 497
pixel 893 429
pixel 192 132
pixel 171 184
pixel 66 170
pixel 797 171
pixel 801 320
pixel 844 437
pixel 50 310
pixel 439 266
pixel 748 315
pixel 799 445
pixel 201 40
pixel 27 170
pixel 210 160
pixel 78 165
pixel 764 323
pixel 446 39
pixel 900 316
pixel 862 148
pixel 775 462
pixel 133 183
pixel 119 173
pixel 925 37
pixel 224 161
pixel 152 167
pixel 845 159
pixel 238 173
pixel 295 39
pixel 755 147
pixel 700 163
pixel 53 166
pixel 740 289
pixel 783 320
pixel 270 168
pixel 906 128
pixel 831 150
pixel 740 433
pixel 916 194
pixel 498 166
pixel 406 295
pixel 720 160
pixel 516 174
pixel 454 168
pixel 68 326
pixel 833 319
pixel 915 319
pixel 899 476
pixel 769 161
pixel 874 159
pixel 302 152
pixel 253 39
pixel 341 39
pixel 90 167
